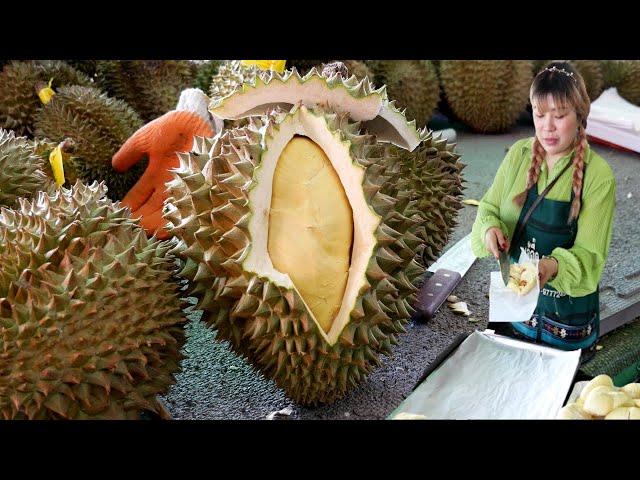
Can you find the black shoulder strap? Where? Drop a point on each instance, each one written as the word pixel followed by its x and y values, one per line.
pixel 536 203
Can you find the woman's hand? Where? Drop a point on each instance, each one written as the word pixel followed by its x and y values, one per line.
pixel 547 269
pixel 496 241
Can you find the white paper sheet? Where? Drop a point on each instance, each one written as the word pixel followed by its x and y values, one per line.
pixel 495 377
pixel 505 305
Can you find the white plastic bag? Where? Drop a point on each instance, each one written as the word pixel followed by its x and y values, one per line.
pixel 505 305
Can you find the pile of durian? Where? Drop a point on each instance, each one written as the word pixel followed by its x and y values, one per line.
pixel 600 399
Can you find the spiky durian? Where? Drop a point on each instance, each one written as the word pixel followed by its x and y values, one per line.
pixel 589 70
pixel 98 125
pixel 487 95
pixel 19 81
pixel 90 318
pixel 625 76
pixel 21 170
pixel 230 77
pixel 151 87
pixel 88 67
pixel 205 71
pixel 413 84
pixel 303 233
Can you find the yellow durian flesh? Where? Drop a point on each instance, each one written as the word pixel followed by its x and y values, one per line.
pixel 624 413
pixel 600 380
pixel 632 389
pixel 311 227
pixel 522 277
pixel 599 402
pixel 573 411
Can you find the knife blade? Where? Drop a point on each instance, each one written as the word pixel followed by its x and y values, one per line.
pixel 503 260
pixel 442 278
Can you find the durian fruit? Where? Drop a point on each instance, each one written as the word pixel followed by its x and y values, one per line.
pixel 487 95
pixel 205 71
pixel 624 75
pixel 359 68
pixel 21 170
pixel 230 77
pixel 88 67
pixel 303 232
pixel 91 324
pixel 413 84
pixel 589 70
pixel 19 101
pixel 522 277
pixel 98 125
pixel 150 87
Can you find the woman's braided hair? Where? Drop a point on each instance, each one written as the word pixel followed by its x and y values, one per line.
pixel 567 88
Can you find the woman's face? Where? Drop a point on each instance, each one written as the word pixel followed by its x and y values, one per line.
pixel 556 126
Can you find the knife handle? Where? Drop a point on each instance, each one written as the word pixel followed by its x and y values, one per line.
pixel 434 292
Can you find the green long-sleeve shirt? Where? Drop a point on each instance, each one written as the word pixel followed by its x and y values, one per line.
pixel 579 267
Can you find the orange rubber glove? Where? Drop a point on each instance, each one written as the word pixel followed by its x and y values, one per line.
pixel 160 140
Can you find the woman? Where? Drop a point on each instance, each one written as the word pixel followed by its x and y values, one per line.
pixel 570 228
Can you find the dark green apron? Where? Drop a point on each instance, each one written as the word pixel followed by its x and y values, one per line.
pixel 562 321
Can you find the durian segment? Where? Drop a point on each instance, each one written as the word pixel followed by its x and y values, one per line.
pixel 599 402
pixel 351 175
pixel 600 380
pixel 624 413
pixel 632 389
pixel 311 227
pixel 573 411
pixel 522 277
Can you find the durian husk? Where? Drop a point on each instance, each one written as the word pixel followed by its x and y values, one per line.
pixel 98 125
pixel 487 95
pixel 413 84
pixel 91 324
pixel 150 87
pixel 19 101
pixel 416 196
pixel 21 169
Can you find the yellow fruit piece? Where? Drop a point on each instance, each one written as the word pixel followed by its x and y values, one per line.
pixel 522 277
pixel 311 227
pixel 572 411
pixel 632 389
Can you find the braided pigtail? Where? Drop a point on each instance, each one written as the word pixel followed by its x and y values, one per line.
pixel 537 156
pixel 578 174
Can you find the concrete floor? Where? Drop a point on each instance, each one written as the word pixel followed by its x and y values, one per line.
pixel 216 384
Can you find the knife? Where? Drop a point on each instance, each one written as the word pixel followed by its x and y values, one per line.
pixel 503 259
pixel 442 278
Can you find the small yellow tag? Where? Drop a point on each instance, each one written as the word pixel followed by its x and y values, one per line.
pixel 47 93
pixel 55 159
pixel 471 201
pixel 275 65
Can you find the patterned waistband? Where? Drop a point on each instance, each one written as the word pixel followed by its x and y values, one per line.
pixel 565 332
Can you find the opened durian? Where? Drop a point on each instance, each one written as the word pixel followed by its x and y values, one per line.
pixel 487 95
pixel 19 84
pixel 90 317
pixel 304 232
pixel 522 277
pixel 98 126
pixel 21 170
